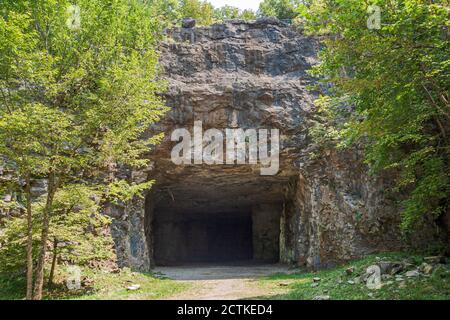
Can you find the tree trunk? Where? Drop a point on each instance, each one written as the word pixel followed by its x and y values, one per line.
pixel 29 239
pixel 55 255
pixel 39 284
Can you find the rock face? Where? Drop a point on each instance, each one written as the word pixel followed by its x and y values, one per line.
pixel 316 211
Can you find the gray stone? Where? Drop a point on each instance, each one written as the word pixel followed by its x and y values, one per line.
pixel 264 21
pixel 188 23
pixel 253 75
pixel 412 273
pixel 388 267
pixel 134 287
pixel 426 268
pixel 324 297
pixel 435 259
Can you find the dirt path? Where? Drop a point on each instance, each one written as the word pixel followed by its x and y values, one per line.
pixel 223 282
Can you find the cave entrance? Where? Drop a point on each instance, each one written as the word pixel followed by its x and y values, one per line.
pixel 249 234
pixel 203 237
pixel 215 215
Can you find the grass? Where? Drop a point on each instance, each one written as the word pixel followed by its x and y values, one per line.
pixel 102 285
pixel 334 283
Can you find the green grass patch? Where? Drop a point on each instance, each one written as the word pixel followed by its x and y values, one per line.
pixel 335 282
pixel 98 284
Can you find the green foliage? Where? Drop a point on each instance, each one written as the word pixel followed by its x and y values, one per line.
pixel 122 191
pixel 229 12
pixel 247 15
pixel 13 239
pixel 201 11
pixel 75 102
pixel 334 282
pixel 166 11
pixel 282 9
pixel 390 92
pixel 88 101
pixel 173 11
pixel 104 285
pixel 226 12
pixel 77 226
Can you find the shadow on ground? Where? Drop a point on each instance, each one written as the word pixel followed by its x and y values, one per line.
pixel 230 271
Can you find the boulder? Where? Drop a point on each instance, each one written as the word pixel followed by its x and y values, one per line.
pixel 412 273
pixel 134 287
pixel 324 297
pixel 188 23
pixel 435 259
pixel 426 268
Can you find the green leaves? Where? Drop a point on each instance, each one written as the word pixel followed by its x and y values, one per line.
pixel 74 104
pixel 86 96
pixel 37 138
pixel 281 9
pixel 229 12
pixel 122 191
pixel 200 10
pixel 396 80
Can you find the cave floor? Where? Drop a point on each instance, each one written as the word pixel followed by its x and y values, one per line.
pixel 231 281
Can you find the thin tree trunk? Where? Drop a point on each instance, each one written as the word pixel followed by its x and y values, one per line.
pixel 39 284
pixel 55 254
pixel 29 239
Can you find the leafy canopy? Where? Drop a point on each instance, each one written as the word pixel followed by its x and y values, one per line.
pixel 79 88
pixel 390 91
pixel 281 9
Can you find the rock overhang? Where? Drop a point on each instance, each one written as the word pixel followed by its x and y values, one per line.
pixel 234 75
pixel 321 210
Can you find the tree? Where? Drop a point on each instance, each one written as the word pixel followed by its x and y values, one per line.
pixel 226 13
pixel 77 226
pixel 79 88
pixel 76 230
pixel 281 9
pixel 201 11
pixel 166 11
pixel 229 12
pixel 21 61
pixel 390 91
pixel 247 15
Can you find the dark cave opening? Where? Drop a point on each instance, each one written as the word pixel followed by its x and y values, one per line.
pixel 203 237
pixel 245 235
pixel 222 219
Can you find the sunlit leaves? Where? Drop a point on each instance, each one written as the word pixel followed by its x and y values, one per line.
pixel 396 81
pixel 74 104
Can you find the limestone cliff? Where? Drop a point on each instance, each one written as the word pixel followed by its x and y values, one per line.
pixel 317 211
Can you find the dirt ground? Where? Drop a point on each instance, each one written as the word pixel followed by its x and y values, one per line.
pixel 229 282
